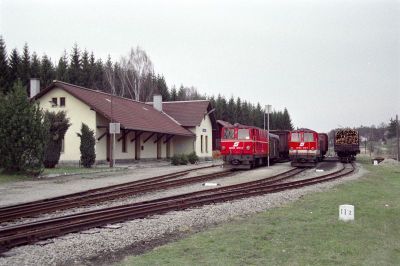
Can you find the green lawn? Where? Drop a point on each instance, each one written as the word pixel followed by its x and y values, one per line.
pixel 292 235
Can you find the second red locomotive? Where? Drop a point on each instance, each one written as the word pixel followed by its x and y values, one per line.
pixel 307 147
pixel 246 146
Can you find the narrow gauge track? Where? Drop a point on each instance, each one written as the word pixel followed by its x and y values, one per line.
pixel 32 232
pixel 102 194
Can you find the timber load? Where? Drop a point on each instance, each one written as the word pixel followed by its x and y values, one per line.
pixel 346 137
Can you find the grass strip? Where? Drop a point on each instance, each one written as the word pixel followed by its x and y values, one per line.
pixel 305 232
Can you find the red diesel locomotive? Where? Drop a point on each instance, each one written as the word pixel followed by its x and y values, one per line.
pixel 307 147
pixel 246 147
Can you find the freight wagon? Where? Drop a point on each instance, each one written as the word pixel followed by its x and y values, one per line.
pixel 246 147
pixel 347 144
pixel 323 143
pixel 283 143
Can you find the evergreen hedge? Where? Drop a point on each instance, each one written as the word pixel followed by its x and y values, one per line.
pixel 58 126
pixel 88 141
pixel 23 132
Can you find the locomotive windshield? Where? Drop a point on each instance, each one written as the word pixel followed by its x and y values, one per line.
pixel 308 137
pixel 243 133
pixel 295 137
pixel 229 133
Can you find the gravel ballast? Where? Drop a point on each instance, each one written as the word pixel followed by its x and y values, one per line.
pixel 95 245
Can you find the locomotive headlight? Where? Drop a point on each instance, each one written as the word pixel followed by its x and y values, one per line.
pixel 248 147
pixel 223 148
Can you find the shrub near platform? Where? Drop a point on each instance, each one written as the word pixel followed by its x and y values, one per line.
pixel 305 232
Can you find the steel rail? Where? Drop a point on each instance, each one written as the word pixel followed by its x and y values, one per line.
pixel 32 232
pixel 97 195
pixel 109 212
pixel 150 203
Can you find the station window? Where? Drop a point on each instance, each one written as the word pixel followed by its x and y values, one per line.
pixel 206 144
pixel 201 143
pixel 62 101
pixel 124 143
pixel 62 145
pixel 53 102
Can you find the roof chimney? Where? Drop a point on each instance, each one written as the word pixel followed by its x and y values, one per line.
pixel 157 102
pixel 34 87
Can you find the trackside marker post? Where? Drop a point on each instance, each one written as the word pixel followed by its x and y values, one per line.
pixel 346 212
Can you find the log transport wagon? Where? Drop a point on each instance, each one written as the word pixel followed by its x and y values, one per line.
pixel 347 144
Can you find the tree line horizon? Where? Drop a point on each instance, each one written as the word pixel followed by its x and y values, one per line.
pixel 131 77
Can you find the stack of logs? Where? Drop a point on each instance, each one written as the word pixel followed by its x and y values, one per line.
pixel 346 136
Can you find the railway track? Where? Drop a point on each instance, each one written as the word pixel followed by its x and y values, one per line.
pixel 102 194
pixel 35 231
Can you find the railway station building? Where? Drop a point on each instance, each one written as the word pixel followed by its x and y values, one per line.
pixel 155 130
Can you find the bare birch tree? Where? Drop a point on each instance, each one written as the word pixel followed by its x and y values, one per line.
pixel 129 77
pixel 134 69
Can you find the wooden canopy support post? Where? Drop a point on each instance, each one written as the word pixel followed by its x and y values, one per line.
pixel 102 135
pixel 137 135
pixel 159 137
pixel 168 138
pixel 149 137
pixel 124 133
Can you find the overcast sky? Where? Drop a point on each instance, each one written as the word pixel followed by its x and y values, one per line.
pixel 331 63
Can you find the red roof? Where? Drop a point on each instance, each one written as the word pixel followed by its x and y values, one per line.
pixel 187 113
pixel 131 114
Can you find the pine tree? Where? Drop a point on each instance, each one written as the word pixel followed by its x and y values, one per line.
pixel 25 66
pixel 85 73
pixel 58 125
pixel 75 66
pixel 181 94
pixel 62 68
pixel 15 67
pixel 88 141
pixel 246 114
pixel 109 66
pixel 287 121
pixel 238 111
pixel 162 88
pixel 3 66
pixel 231 110
pixel 47 73
pixel 35 66
pixel 98 76
pixel 92 71
pixel 392 128
pixel 23 133
pixel 174 94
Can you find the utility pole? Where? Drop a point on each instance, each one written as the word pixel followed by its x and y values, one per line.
pixel 397 136
pixel 268 109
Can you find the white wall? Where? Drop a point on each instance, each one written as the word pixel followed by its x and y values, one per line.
pixel 78 113
pixel 101 145
pixel 205 129
pixel 182 144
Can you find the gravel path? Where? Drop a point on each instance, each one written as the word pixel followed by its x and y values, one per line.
pixel 102 246
pixel 235 178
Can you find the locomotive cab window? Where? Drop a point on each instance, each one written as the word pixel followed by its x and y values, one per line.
pixel 308 137
pixel 243 133
pixel 229 133
pixel 295 137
